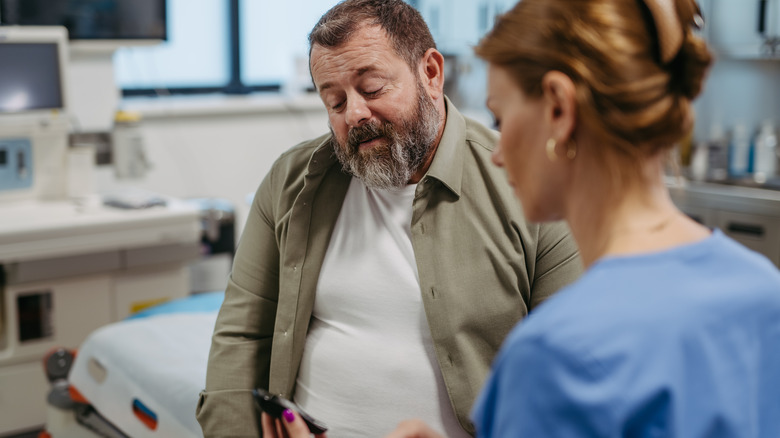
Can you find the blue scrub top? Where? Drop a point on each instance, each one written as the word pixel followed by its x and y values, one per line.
pixel 680 343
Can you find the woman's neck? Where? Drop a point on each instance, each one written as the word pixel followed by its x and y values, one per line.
pixel 638 218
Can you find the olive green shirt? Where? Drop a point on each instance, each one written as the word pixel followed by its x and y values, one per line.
pixel 481 268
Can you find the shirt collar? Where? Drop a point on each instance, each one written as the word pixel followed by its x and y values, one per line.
pixel 323 156
pixel 447 164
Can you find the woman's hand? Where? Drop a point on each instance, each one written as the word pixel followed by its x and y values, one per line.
pixel 292 426
pixel 413 429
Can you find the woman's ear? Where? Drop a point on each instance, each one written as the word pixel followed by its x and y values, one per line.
pixel 560 104
pixel 432 73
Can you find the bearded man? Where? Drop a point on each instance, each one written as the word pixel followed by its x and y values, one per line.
pixel 383 263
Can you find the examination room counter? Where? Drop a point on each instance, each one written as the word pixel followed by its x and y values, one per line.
pixel 67 268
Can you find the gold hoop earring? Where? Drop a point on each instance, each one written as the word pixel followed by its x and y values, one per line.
pixel 550 148
pixel 571 150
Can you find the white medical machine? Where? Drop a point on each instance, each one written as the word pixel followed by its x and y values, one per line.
pixel 33 102
pixel 67 266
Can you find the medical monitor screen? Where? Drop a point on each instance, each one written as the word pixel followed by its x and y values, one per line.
pixel 91 19
pixel 32 81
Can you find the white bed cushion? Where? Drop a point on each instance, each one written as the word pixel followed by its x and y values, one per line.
pixel 159 360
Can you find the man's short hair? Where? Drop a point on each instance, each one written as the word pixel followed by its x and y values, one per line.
pixel 405 27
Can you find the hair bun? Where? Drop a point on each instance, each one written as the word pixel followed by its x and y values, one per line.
pixel 691 66
pixel 668 28
pixel 694 58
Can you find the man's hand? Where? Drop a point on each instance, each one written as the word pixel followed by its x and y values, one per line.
pixel 292 426
pixel 413 429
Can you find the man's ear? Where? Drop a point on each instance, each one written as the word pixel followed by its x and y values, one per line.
pixel 432 73
pixel 560 96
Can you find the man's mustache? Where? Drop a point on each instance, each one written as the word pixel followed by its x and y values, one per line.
pixel 367 132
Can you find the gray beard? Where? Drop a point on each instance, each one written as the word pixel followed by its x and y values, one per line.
pixel 393 165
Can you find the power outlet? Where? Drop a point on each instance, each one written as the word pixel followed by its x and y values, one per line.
pixel 16 164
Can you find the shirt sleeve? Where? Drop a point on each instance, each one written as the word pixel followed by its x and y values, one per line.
pixel 239 359
pixel 557 262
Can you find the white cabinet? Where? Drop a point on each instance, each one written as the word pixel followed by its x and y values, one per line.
pixel 750 216
pixel 42 316
pixel 65 271
pixel 757 232
pixel 747 29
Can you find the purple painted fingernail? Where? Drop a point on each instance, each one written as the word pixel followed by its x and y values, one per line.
pixel 288 415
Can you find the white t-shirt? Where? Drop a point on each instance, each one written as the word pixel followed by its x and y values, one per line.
pixel 369 361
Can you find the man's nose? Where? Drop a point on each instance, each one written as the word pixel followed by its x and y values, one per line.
pixel 358 112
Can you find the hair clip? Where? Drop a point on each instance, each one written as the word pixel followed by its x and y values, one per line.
pixel 698 18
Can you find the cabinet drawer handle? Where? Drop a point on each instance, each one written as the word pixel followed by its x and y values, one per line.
pixel 753 230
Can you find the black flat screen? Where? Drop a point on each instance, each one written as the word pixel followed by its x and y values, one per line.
pixel 32 81
pixel 91 19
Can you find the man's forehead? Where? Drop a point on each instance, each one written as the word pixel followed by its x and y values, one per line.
pixel 352 61
pixel 366 37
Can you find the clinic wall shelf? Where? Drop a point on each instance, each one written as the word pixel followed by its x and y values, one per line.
pixel 223 105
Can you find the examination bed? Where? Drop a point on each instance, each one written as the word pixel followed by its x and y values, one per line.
pixel 139 377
